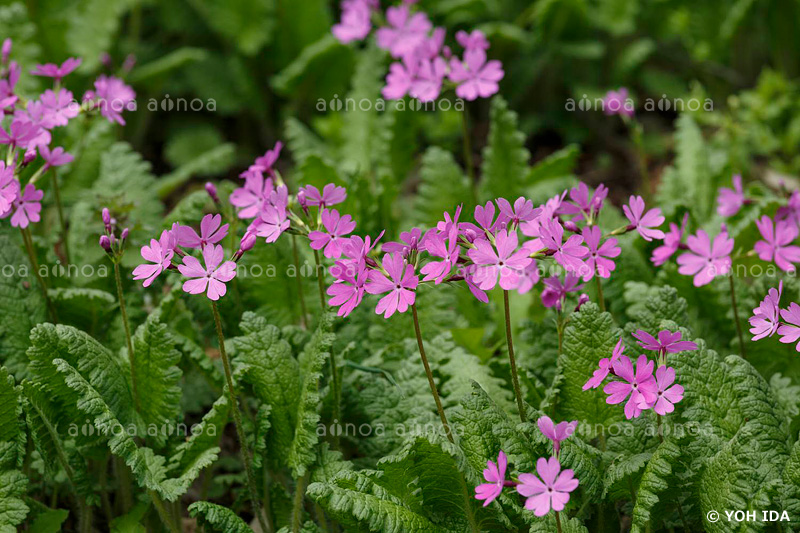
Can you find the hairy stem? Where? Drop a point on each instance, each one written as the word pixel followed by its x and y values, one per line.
pixel 61 219
pixel 641 157
pixel 736 318
pixel 468 153
pixel 300 296
pixel 335 388
pixel 320 279
pixel 128 340
pixel 660 430
pixel 28 241
pixel 297 508
pixel 429 374
pixel 237 420
pixel 601 301
pixel 162 512
pixel 558 522
pixel 512 360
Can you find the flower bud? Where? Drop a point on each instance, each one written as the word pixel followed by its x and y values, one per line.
pixel 129 63
pixel 6 50
pixel 582 300
pixel 30 155
pixel 106 217
pixel 571 226
pixel 211 189
pixel 105 60
pixel 105 243
pixel 248 241
pixel 301 198
pixel 124 234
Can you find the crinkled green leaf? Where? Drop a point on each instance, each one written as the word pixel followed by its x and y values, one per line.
pixel 505 158
pixel 443 186
pixel 217 518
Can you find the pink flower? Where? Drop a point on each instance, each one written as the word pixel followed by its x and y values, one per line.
pixel 599 259
pixel 790 332
pixel 400 77
pixel 59 108
pixel 668 342
pixel 522 211
pixel 705 261
pixel 551 491
pixel 355 24
pixel 556 433
pixel 405 31
pixel 438 245
pixel 9 187
pixel 672 241
pixel 210 279
pixel 331 195
pixel 618 103
pixel 569 254
pixel 495 474
pixel 556 292
pixel 777 243
pixel 252 196
pixel 666 395
pixel 20 133
pixel 159 253
pixel 27 207
pixel 357 249
pixel 113 97
pixel 581 205
pixel 644 223
pixel 271 222
pixel 475 76
pixel 51 70
pixel 427 84
pixel 640 386
pixel 507 262
pixel 730 201
pixel 348 289
pixel 791 211
pixel 336 227
pixel 766 317
pixel 210 233
pixel 401 284
pixel 471 41
pixel 605 366
pixel 410 241
pixel 55 158
pixel 484 216
pixel 530 277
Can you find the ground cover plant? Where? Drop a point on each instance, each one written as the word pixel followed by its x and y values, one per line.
pixel 391 268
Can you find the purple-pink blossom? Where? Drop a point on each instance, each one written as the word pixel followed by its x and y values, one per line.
pixel 495 475
pixel 410 241
pixel 471 41
pixel 777 244
pixel 355 24
pixel 502 260
pixel 672 242
pixel 401 285
pixel 55 157
pixel 348 289
pixel 20 133
pixel 604 367
pixel 210 278
pixel 555 292
pixel 644 223
pixel 159 254
pixel 569 254
pixel 58 72
pixel 439 245
pixel 581 205
pixel 331 195
pixel 113 96
pixel 548 491
pixel 9 187
pixel 618 103
pixel 638 386
pixel 667 342
pixel 766 317
pixel 212 231
pixel 58 108
pixel 730 201
pixel 521 211
pixel 667 394
pixel 600 256
pixel 26 206
pixel 405 31
pixel 790 332
pixel 252 196
pixel 706 260
pixel 336 227
pixel 557 433
pixel 476 77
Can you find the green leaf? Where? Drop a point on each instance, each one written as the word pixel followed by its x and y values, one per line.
pixel 166 64
pixel 556 165
pixel 505 158
pixel 207 163
pixel 660 483
pixel 92 28
pixel 49 521
pixel 131 522
pixel 13 483
pixel 217 518
pixel 81 307
pixel 443 186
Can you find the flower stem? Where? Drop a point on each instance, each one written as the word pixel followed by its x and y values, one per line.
pixel 237 419
pixel 300 295
pixel 468 153
pixel 297 509
pixel 162 512
pixel 660 430
pixel 28 241
pixel 131 353
pixel 336 390
pixel 736 318
pixel 600 300
pixel 61 219
pixel 558 522
pixel 429 374
pixel 641 156
pixel 512 360
pixel 320 280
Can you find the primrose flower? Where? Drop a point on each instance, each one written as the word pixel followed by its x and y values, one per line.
pixel 555 292
pixel 580 204
pixel 348 289
pixel 791 211
pixel 672 242
pixel 437 245
pixel 9 187
pixel 776 245
pixel 357 249
pixel 113 96
pixel 506 262
pixel 252 196
pixel 405 31
pixel 400 77
pixel 27 207
pixel 667 394
pixel 522 211
pixel 495 475
pixel 427 84
pixel 530 277
pixel 55 158
pixel 667 342
pixel 569 254
pixel 790 332
pixel 268 160
pixel 639 385
pixel 556 432
pixel 355 24
pixel 766 317
pixel 729 201
pixel 600 255
pixel 212 231
pixel 618 103
pixel 643 222
pixel 20 133
pixel 476 77
pixel 331 195
pixel 604 367
pixel 410 241
pixel 471 41
pixel 705 260
pixel 271 222
pixel 59 108
pixel 210 279
pixel 548 491
pixel 401 285
pixel 484 216
pixel 159 253
pixel 336 227
pixel 57 72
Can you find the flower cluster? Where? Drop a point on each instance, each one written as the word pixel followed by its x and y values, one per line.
pixel 30 130
pixel 424 63
pixel 638 385
pixel 549 490
pixel 766 319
